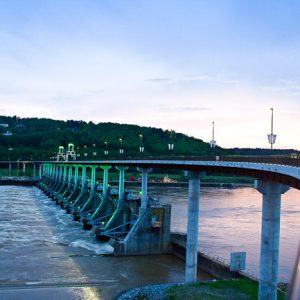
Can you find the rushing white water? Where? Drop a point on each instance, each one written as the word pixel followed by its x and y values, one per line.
pixel 25 217
pixel 230 220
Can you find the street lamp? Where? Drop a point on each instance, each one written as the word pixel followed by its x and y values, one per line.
pixel 171 143
pixel 272 136
pixel 106 149
pixel 141 143
pixel 121 150
pixel 94 152
pixel 85 149
pixel 213 143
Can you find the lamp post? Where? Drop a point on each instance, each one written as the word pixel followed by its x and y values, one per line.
pixel 272 136
pixel 213 143
pixel 106 148
pixel 85 154
pixel 141 143
pixel 121 150
pixel 171 143
pixel 94 152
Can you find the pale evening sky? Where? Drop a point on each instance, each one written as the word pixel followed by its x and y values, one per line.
pixel 174 64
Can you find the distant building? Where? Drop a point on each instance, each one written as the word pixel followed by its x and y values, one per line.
pixel 7 133
pixel 5 125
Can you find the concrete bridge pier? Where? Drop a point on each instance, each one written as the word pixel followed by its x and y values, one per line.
pixel 40 171
pixel 192 228
pixel 105 179
pixel 76 174
pixel 144 198
pixel 24 168
pixel 121 184
pixel 34 170
pixel 93 178
pixel 270 234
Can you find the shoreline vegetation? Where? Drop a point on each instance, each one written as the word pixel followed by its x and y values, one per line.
pixel 39 139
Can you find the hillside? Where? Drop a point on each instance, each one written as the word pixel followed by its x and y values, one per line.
pixel 33 138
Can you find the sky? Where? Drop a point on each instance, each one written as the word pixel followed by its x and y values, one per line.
pixel 172 64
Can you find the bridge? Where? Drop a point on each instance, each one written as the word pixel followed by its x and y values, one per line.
pixel 122 218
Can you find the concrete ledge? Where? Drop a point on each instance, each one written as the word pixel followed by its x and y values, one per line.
pixel 205 263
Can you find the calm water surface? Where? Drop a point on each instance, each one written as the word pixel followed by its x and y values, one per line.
pixel 230 220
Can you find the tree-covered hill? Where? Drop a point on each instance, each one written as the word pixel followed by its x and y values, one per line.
pixel 39 139
pixel 33 138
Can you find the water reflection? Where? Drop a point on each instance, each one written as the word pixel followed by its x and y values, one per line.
pixel 230 220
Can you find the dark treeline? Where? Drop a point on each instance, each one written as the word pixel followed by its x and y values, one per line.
pixel 38 139
pixel 34 138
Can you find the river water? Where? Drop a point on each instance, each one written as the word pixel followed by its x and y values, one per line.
pixel 230 220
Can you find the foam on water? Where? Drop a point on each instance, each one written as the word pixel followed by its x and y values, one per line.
pixel 29 217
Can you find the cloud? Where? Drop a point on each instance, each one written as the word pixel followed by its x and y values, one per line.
pixel 201 78
pixel 183 108
pixel 286 86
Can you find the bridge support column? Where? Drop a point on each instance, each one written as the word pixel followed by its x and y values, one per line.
pixel 34 170
pixel 9 169
pixel 93 177
pixel 144 199
pixel 83 176
pixel 270 233
pixel 70 175
pixel 65 167
pixel 121 184
pixel 105 178
pixel 192 228
pixel 40 171
pixel 76 174
pixel 24 168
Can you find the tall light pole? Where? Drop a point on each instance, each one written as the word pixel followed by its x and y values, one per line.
pixel 171 143
pixel 106 149
pixel 272 136
pixel 141 143
pixel 94 151
pixel 121 150
pixel 213 143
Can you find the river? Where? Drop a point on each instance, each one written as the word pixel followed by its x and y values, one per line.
pixel 230 220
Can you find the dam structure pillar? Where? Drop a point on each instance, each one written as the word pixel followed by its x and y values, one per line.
pixel 144 198
pixel 40 171
pixel 121 184
pixel 65 173
pixel 70 173
pixel 34 169
pixel 93 178
pixel 76 174
pixel 83 176
pixel 105 179
pixel 270 236
pixel 192 228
